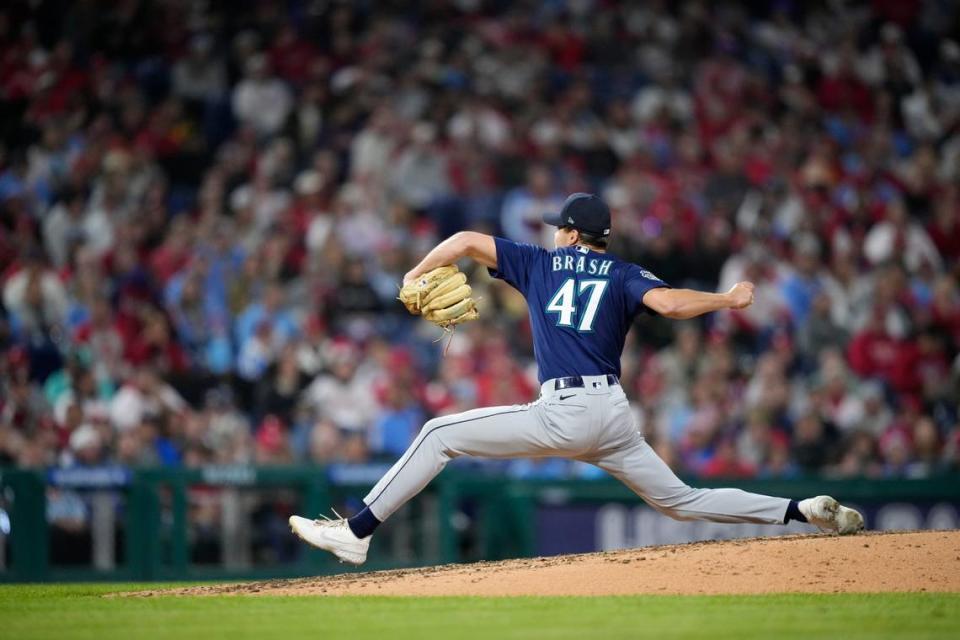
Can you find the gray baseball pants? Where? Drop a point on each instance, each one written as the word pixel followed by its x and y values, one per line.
pixel 592 423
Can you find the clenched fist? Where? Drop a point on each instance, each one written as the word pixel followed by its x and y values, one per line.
pixel 741 295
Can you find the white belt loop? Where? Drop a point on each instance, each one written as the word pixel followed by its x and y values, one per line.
pixel 548 388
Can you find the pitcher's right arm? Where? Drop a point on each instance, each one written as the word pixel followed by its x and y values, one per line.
pixel 680 304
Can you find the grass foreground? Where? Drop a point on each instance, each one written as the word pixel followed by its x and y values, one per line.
pixel 80 611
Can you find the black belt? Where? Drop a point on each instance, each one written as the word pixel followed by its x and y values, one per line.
pixel 576 381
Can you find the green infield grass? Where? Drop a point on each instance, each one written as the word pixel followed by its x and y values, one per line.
pixel 82 611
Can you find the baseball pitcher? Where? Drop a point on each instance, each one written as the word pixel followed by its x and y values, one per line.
pixel 581 301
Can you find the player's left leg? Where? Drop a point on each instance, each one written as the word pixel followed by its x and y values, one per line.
pixel 624 453
pixel 638 466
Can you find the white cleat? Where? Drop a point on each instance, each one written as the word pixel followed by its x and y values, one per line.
pixel 334 536
pixel 829 515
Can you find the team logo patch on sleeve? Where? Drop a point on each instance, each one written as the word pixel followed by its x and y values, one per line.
pixel 648 275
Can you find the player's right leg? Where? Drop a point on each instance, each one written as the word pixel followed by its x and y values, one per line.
pixel 496 432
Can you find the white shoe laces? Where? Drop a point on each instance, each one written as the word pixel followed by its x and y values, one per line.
pixel 330 521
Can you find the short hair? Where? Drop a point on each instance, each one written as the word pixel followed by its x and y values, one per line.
pixel 591 239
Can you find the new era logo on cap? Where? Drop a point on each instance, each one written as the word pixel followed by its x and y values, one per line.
pixel 583 211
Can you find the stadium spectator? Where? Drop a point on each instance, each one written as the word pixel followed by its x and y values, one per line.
pixel 261 100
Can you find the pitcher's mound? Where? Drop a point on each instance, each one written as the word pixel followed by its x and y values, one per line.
pixel 873 562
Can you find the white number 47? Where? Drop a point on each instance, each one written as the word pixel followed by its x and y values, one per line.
pixel 564 302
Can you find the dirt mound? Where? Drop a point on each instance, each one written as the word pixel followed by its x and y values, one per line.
pixel 875 562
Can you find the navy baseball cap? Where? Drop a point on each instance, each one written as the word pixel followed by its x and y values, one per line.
pixel 584 212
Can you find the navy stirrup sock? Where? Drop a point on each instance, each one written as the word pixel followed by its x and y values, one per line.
pixel 364 523
pixel 793 513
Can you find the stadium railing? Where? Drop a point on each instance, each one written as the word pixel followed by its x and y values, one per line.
pixel 225 523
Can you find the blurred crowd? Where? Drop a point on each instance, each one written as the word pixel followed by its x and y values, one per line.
pixel 206 209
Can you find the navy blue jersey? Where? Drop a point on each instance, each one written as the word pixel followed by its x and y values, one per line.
pixel 581 304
